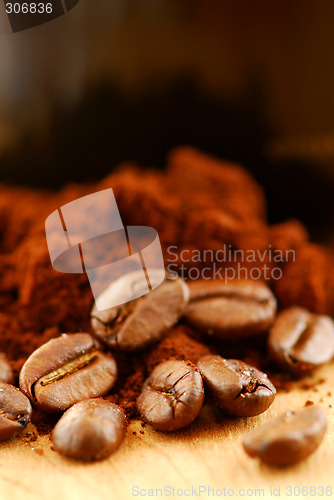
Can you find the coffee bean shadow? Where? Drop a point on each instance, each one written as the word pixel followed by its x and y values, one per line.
pixel 29 436
pixel 69 464
pixel 10 442
pixel 210 425
pixel 278 470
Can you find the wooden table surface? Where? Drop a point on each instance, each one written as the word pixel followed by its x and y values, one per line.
pixel 208 454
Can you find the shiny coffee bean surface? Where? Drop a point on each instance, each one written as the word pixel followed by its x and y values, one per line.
pixel 236 387
pixel 300 341
pixel 172 396
pixel 67 370
pixel 143 321
pixel 90 430
pixel 15 411
pixel 236 309
pixel 288 439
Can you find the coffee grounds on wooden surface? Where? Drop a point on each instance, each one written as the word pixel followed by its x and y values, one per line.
pixel 198 203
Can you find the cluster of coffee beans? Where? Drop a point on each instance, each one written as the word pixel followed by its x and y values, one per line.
pixel 73 372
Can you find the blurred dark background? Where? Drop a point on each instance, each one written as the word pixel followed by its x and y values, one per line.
pixel 118 80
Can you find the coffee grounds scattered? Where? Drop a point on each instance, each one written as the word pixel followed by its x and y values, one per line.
pixel 198 203
pixel 135 368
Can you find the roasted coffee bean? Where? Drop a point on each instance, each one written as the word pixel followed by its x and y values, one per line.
pixel 237 308
pixel 6 372
pixel 143 321
pixel 90 430
pixel 300 341
pixel 172 396
pixel 237 388
pixel 65 371
pixel 15 411
pixel 289 438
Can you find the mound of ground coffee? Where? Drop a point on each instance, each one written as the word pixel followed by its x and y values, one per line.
pixel 197 204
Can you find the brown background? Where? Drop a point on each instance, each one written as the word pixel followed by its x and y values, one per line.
pixel 128 80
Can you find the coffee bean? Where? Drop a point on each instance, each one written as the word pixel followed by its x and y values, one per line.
pixel 237 308
pixel 90 430
pixel 6 372
pixel 289 438
pixel 300 341
pixel 237 388
pixel 143 321
pixel 15 411
pixel 172 396
pixel 66 370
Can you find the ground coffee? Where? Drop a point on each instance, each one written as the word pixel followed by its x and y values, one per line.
pixel 197 203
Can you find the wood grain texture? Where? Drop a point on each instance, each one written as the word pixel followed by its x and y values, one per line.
pixel 208 453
